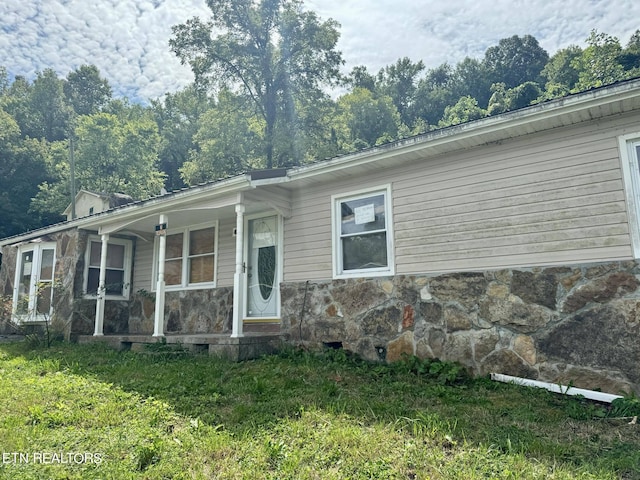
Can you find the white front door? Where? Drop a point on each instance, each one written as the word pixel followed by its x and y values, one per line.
pixel 262 267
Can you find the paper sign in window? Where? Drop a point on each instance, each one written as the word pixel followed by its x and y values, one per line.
pixel 364 214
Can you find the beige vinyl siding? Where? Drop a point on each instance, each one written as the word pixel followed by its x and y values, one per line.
pixel 142 266
pixel 545 199
pixel 226 252
pixel 307 236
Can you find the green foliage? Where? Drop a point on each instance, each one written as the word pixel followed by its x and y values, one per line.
pixel 598 65
pixel 272 52
pixel 562 68
pixel 627 406
pixel 178 116
pixel 226 143
pixel 465 110
pixel 515 60
pixel 368 119
pixel 86 91
pixel 23 167
pixel 504 100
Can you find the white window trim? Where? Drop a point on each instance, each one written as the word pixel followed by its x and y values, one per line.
pixel 36 248
pixel 336 244
pixel 185 256
pixel 128 261
pixel 630 164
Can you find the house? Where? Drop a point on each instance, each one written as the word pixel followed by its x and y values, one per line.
pixel 90 203
pixel 509 244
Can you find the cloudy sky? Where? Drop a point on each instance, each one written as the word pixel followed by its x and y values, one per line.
pixel 128 39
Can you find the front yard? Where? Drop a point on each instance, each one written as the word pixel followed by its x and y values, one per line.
pixel 88 412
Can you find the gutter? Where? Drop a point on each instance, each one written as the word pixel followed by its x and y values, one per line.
pixel 556 388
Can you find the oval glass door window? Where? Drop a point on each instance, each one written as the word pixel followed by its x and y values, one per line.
pixel 266 270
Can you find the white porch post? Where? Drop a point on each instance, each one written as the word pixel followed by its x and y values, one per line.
pixel 158 319
pixel 238 277
pixel 102 290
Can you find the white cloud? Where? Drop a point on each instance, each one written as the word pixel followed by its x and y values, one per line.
pixel 128 39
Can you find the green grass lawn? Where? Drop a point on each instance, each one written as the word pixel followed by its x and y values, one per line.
pixel 122 415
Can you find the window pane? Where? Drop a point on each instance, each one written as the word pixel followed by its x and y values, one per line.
pixel 94 255
pixel 363 215
pixel 115 256
pixel 266 270
pixel 364 251
pixel 114 282
pixel 27 269
pixel 26 266
pixel 43 306
pixel 46 265
pixel 201 269
pixel 173 272
pixel 93 279
pixel 174 246
pixel 201 241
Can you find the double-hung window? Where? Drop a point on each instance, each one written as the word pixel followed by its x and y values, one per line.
pixel 190 258
pixel 33 294
pixel 118 273
pixel 630 155
pixel 362 234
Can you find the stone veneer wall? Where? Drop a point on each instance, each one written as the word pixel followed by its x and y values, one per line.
pixel 186 312
pixel 577 324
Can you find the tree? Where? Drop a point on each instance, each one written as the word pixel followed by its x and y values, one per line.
pixel 16 103
pixel 465 110
pixel 598 65
pixel 504 100
pixel 471 77
pixel 630 56
pixel 4 80
pixel 399 82
pixel 113 154
pixel 178 116
pixel 367 119
pixel 22 168
pixel 433 94
pixel 49 108
pixel 271 51
pixel 515 60
pixel 227 142
pixel 561 69
pixel 361 78
pixel 86 91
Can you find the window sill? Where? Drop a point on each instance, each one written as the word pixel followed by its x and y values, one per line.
pixel 363 274
pixel 107 297
pixel 180 288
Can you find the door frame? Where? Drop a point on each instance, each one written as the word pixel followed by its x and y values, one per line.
pixel 279 269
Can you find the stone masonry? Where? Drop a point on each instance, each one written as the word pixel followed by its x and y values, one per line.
pixel 577 325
